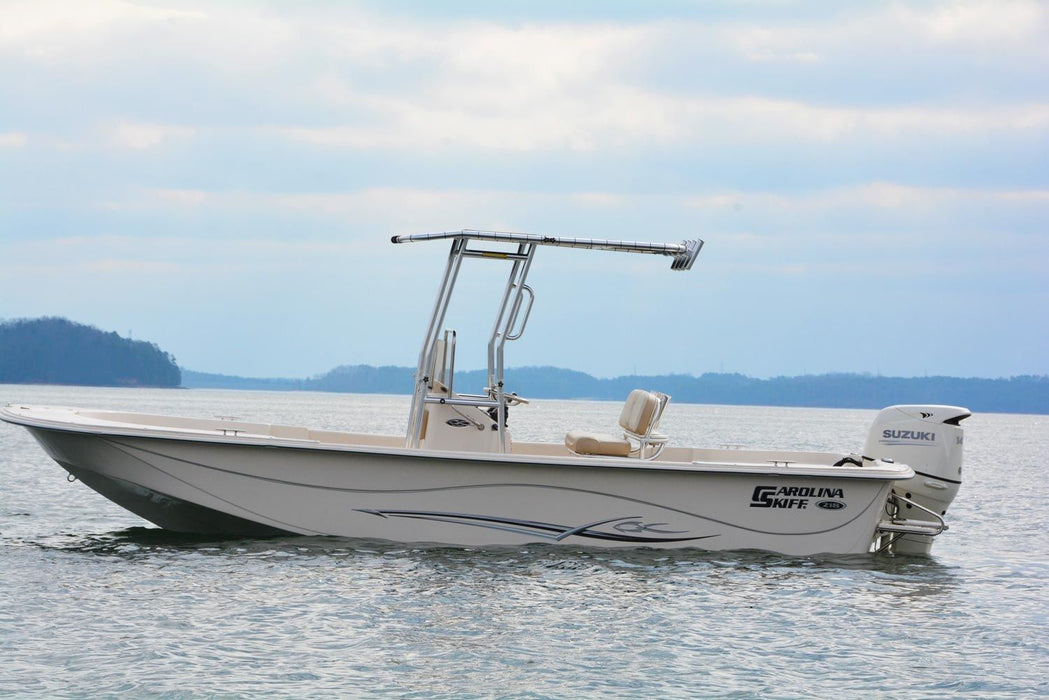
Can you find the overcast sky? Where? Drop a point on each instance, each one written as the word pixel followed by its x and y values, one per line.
pixel 871 179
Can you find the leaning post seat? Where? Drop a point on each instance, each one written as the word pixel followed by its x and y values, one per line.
pixel 639 418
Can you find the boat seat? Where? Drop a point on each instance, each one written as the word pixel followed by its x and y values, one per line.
pixel 639 419
pixel 583 443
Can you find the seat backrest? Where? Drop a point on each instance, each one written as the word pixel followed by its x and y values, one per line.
pixel 640 412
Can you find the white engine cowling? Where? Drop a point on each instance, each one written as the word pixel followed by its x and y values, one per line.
pixel 929 440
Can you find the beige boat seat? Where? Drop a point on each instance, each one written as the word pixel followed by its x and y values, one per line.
pixel 639 419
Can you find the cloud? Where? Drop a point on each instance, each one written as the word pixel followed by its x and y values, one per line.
pixel 876 195
pixel 182 198
pixel 141 137
pixel 345 78
pixel 170 260
pixel 13 139
pixel 1024 196
pixel 56 30
pixel 978 22
pixel 627 118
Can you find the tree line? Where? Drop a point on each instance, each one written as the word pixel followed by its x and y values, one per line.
pixel 58 351
pixel 1024 394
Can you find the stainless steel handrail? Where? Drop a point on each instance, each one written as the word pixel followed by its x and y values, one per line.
pixel 913 527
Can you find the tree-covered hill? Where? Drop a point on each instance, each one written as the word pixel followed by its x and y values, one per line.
pixel 1027 394
pixel 59 351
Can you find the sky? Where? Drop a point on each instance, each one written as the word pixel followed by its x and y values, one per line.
pixel 871 180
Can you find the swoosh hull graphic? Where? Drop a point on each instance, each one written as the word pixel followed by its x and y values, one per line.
pixel 548 531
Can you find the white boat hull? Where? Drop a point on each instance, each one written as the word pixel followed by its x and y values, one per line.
pixel 241 484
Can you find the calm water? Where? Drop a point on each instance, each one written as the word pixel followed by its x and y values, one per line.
pixel 94 602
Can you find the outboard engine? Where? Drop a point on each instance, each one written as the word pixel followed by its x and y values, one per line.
pixel 929 440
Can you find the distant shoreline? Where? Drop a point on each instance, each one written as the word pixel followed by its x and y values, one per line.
pixel 1024 394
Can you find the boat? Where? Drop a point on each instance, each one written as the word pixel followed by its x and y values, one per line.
pixel 457 477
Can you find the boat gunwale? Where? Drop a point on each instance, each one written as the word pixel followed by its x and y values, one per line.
pixel 886 472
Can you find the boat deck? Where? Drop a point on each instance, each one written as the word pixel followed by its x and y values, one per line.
pixel 246 432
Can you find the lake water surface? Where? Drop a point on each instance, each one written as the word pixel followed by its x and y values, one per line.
pixel 95 602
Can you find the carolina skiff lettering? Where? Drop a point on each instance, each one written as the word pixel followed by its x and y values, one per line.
pixel 791 496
